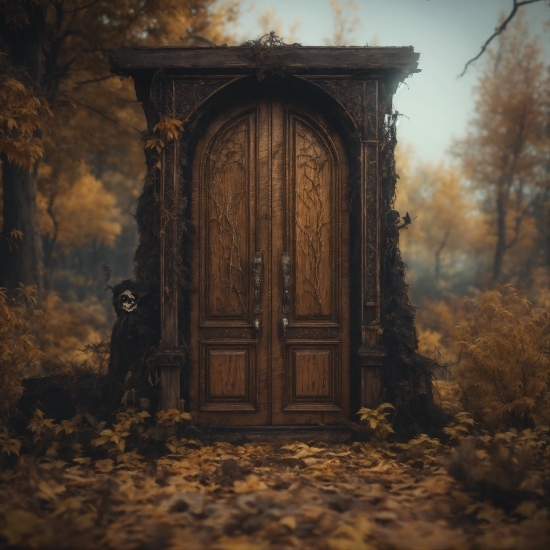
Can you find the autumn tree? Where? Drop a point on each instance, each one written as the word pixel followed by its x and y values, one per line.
pixel 61 47
pixel 345 20
pixel 443 235
pixel 505 152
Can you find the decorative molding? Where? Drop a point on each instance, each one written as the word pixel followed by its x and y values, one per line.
pixel 227 333
pixel 191 93
pixel 348 93
pixel 359 98
pixel 370 130
pixel 169 358
pixel 305 333
pixel 169 229
pixel 371 222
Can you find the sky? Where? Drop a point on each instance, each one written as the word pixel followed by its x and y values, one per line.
pixel 435 103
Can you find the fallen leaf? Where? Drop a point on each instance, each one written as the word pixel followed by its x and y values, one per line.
pixel 251 483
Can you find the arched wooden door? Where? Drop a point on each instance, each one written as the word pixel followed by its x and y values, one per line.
pixel 270 312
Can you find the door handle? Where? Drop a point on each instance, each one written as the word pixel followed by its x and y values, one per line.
pixel 258 328
pixel 257 271
pixel 286 268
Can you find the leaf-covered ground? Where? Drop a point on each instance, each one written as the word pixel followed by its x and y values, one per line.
pixel 263 495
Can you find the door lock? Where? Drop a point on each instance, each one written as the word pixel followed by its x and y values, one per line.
pixel 284 326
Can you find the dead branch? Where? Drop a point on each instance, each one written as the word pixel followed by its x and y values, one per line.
pixel 498 31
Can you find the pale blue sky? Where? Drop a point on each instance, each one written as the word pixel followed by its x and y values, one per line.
pixel 446 33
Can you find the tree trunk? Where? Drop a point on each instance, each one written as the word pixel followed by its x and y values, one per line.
pixel 21 259
pixel 442 244
pixel 500 247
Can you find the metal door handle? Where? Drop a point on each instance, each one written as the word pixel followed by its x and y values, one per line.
pixel 284 326
pixel 258 328
pixel 286 268
pixel 257 269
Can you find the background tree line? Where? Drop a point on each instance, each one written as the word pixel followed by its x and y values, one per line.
pixel 72 163
pixel 71 148
pixel 483 220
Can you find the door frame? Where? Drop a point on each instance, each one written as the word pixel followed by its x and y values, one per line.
pixel 351 105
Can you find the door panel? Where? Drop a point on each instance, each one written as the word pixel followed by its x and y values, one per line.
pixel 227 384
pixel 311 222
pixel 269 178
pixel 228 223
pixel 229 377
pixel 310 382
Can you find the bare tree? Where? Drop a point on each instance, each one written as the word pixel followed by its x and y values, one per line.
pixel 500 29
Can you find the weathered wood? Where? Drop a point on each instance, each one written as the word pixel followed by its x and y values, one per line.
pixel 240 59
pixel 170 386
pixel 294 168
pixel 370 386
pixel 270 176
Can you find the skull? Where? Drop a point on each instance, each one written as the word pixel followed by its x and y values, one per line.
pixel 128 301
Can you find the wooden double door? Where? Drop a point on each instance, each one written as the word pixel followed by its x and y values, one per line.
pixel 270 305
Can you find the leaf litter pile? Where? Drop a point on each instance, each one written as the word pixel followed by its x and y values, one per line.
pixel 486 493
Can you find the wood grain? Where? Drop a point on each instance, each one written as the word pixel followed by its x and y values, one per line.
pixel 268 178
pixel 234 60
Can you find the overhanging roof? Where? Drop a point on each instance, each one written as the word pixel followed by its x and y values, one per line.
pixel 249 59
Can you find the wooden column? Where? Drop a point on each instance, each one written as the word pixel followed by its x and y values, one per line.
pixel 371 354
pixel 169 357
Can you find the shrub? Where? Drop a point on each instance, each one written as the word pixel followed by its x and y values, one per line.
pixel 19 354
pixel 376 420
pixel 505 369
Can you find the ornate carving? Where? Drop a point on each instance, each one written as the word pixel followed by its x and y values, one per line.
pixel 371 229
pixel 227 333
pixel 191 93
pixel 371 109
pixel 349 93
pixel 314 220
pixel 358 97
pixel 227 221
pixel 305 333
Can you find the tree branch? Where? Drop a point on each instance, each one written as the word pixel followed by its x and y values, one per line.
pixel 93 80
pixel 84 7
pixel 498 30
pixel 106 117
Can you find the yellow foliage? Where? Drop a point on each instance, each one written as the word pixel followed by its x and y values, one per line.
pixel 70 327
pixel 19 352
pixel 504 154
pixel 376 419
pixel 346 22
pixel 8 445
pixel 269 21
pixel 83 213
pixel 436 322
pixel 172 416
pixel 445 226
pixel 168 129
pixel 22 114
pixel 506 369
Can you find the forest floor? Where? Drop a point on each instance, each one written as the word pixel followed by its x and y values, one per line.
pixel 354 496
